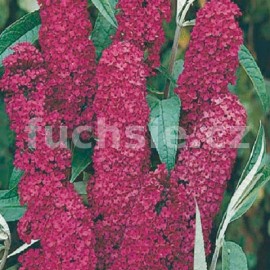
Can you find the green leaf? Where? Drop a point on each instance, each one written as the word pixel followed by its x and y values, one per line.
pixel 106 10
pixel 6 143
pixel 164 71
pixel 233 257
pixel 240 201
pixel 248 201
pixel 251 68
pixel 248 184
pixel 11 209
pixel 13 184
pixel 81 159
pixel 102 32
pixel 22 248
pixel 255 153
pixel 199 251
pixel 163 126
pixel 24 30
pixel 177 71
pixel 81 187
pixel 15 178
pixel 180 6
pixel 14 267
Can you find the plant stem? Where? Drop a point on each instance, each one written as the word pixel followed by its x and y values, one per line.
pixel 172 59
pixel 215 258
pixel 219 242
pixel 180 24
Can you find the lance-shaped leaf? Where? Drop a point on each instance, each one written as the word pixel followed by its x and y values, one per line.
pixel 199 251
pixel 24 30
pixel 11 209
pixel 180 6
pixel 80 160
pixel 245 193
pixel 105 8
pixel 250 66
pixel 102 32
pixel 163 126
pixel 261 179
pixel 177 71
pixel 250 180
pixel 13 184
pixel 22 248
pixel 255 154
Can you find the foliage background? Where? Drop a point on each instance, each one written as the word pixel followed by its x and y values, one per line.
pixel 252 231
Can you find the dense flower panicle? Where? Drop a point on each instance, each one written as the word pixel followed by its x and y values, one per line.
pixel 63 225
pixel 70 57
pixel 211 60
pixel 143 245
pixel 214 120
pixel 176 212
pixel 203 168
pixel 137 219
pixel 30 256
pixel 24 83
pixel 121 156
pixel 140 22
pixel 55 213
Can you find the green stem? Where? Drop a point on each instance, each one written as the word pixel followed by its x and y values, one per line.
pixel 172 59
pixel 177 34
pixel 215 259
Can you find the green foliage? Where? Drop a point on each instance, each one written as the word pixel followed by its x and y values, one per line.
pixel 13 184
pixel 105 8
pixel 255 153
pixel 199 252
pixel 177 70
pixel 240 201
pixel 260 181
pixel 14 267
pixel 6 147
pixel 164 71
pixel 248 187
pixel 10 206
pixel 233 257
pixel 246 191
pixel 250 66
pixel 24 30
pixel 11 209
pixel 81 187
pixel 163 126
pixel 81 159
pixel 102 32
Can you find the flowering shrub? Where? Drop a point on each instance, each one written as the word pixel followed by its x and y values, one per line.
pixel 140 213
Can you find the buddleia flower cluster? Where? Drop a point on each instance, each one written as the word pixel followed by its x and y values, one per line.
pixel 50 88
pixel 215 122
pixel 120 102
pixel 136 218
